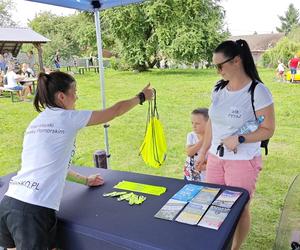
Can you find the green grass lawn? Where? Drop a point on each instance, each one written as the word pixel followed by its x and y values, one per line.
pixel 178 93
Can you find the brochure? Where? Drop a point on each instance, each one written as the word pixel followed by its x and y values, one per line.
pixel 206 195
pixel 214 217
pixel 192 213
pixel 227 198
pixel 187 193
pixel 170 209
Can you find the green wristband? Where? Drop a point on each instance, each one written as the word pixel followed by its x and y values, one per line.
pixel 78 180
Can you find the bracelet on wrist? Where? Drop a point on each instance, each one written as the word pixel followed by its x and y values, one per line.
pixel 142 97
pixel 77 178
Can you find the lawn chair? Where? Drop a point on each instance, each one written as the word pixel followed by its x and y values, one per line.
pixel 288 232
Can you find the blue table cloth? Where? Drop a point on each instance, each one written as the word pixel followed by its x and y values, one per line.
pixel 87 220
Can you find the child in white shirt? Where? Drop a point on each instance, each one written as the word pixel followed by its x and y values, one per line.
pixel 199 118
pixel 280 71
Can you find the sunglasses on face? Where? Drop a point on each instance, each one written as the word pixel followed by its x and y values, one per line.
pixel 220 65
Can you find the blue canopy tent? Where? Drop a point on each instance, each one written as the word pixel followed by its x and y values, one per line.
pixel 93 6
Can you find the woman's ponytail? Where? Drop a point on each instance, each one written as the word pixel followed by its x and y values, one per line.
pixel 247 59
pixel 41 95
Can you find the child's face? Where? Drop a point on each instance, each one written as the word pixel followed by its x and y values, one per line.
pixel 198 123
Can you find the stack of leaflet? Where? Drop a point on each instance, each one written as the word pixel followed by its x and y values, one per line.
pixel 194 203
pixel 219 210
pixel 178 201
pixel 197 207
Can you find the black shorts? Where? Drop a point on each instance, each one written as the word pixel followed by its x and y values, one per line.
pixel 26 226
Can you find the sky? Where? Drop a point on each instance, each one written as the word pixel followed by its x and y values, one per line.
pixel 243 17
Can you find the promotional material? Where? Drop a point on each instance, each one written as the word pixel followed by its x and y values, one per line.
pixel 214 217
pixel 141 188
pixel 227 198
pixel 170 209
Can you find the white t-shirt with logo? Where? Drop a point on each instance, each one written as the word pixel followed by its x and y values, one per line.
pixel 229 111
pixel 48 146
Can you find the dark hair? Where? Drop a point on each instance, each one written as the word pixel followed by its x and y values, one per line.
pixel 240 48
pixel 48 86
pixel 201 111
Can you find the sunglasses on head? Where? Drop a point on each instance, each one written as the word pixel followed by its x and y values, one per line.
pixel 220 65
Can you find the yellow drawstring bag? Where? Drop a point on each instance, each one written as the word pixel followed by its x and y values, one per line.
pixel 154 147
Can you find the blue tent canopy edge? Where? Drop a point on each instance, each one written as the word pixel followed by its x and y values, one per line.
pixel 87 5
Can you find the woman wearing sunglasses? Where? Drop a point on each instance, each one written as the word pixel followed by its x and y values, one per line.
pixel 234 159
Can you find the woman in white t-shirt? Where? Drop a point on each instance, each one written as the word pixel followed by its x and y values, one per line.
pixel 235 159
pixel 34 194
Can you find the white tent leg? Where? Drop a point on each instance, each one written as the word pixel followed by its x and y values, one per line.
pixel 101 76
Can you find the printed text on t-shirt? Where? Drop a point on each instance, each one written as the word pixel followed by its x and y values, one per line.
pixel 44 128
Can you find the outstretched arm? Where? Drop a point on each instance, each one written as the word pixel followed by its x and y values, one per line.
pixel 118 109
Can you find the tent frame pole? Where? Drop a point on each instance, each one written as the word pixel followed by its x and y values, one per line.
pixel 101 76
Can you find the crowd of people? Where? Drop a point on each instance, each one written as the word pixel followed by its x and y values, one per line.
pixel 238 164
pixel 16 78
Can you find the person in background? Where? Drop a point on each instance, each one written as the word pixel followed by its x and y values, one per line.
pixel 239 162
pixel 2 65
pixel 57 60
pixel 2 71
pixel 194 140
pixel 27 72
pixel 280 71
pixel 91 60
pixel 28 209
pixel 30 60
pixel 7 57
pixel 12 80
pixel 294 64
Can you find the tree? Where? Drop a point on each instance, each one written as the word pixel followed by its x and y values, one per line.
pixel 5 17
pixel 185 31
pixel 67 33
pixel 290 19
pixel 284 50
pixel 294 34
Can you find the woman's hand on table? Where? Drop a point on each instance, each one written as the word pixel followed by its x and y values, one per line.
pixel 94 180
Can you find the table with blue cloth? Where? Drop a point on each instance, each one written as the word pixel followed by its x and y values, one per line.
pixel 87 220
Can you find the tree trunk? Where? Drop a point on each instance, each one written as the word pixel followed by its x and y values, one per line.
pixel 153 63
pixel 38 46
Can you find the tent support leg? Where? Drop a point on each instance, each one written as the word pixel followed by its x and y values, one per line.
pixel 101 76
